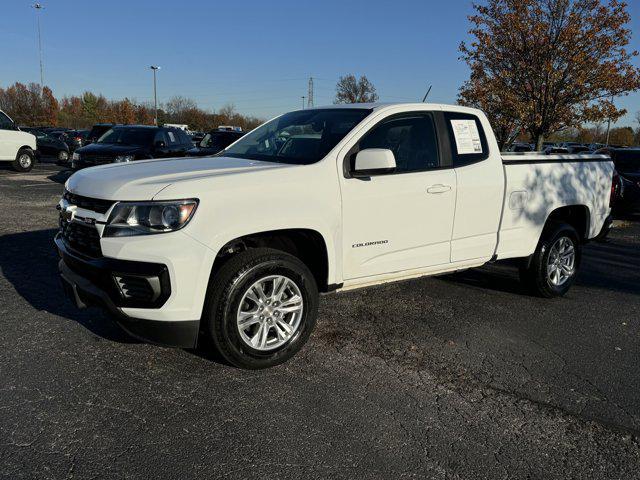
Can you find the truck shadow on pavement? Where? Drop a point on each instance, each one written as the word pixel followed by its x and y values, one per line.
pixel 613 265
pixel 29 262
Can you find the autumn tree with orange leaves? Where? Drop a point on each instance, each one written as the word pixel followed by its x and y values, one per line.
pixel 543 65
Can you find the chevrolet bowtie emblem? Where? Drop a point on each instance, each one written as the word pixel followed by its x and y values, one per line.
pixel 67 215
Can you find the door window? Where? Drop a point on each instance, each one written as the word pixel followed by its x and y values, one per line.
pixel 6 123
pixel 412 139
pixel 468 141
pixel 160 137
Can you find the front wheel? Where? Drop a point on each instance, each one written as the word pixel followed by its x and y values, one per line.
pixel 554 265
pixel 261 308
pixel 25 159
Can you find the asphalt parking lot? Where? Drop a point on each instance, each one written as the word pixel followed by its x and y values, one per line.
pixel 460 376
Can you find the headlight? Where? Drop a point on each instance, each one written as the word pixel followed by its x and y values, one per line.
pixel 123 158
pixel 75 156
pixel 143 218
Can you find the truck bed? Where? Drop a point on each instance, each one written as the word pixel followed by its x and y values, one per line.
pixel 537 184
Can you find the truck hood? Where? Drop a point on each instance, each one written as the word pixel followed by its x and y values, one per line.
pixel 143 179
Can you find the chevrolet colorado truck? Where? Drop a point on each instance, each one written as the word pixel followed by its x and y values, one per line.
pixel 232 251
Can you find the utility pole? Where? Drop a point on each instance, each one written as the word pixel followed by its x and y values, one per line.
pixel 310 93
pixel 38 6
pixel 609 124
pixel 155 93
pixel 303 97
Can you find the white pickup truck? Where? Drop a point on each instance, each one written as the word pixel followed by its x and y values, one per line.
pixel 234 249
pixel 16 147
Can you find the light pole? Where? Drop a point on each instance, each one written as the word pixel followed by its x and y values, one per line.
pixel 609 124
pixel 155 93
pixel 303 97
pixel 38 7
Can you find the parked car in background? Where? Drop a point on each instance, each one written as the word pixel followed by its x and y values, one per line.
pixel 16 146
pixel 569 144
pixel 196 137
pixel 97 131
pixel 233 250
pixel 126 143
pixel 627 164
pixel 76 139
pixel 52 145
pixel 555 150
pixel 520 147
pixel 213 142
pixel 578 149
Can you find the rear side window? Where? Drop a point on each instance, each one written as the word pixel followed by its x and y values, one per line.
pixel 412 139
pixel 467 138
pixel 173 137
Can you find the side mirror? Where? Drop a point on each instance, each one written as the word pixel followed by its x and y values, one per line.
pixel 159 144
pixel 374 160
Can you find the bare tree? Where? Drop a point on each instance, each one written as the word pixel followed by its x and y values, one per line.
pixel 351 90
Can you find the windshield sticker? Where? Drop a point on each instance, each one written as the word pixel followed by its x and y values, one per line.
pixel 467 136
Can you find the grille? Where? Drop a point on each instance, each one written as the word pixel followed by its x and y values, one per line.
pixel 81 238
pixel 93 204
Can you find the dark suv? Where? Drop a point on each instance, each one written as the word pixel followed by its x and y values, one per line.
pixel 126 143
pixel 627 164
pixel 213 142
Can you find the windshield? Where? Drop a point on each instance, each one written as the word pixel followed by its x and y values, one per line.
pixel 627 161
pixel 128 136
pixel 218 140
pixel 299 138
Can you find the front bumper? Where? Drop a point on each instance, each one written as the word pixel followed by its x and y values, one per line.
pixel 92 282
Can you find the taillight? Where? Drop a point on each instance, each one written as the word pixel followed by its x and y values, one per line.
pixel 615 189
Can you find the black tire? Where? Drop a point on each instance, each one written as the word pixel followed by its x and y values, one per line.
pixel 226 291
pixel 533 273
pixel 20 164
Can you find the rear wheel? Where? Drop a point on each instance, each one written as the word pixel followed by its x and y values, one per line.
pixel 261 308
pixel 554 265
pixel 24 161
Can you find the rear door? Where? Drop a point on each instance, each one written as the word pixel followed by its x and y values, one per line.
pixel 400 220
pixel 480 180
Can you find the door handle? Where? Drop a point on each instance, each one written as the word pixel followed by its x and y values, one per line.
pixel 438 188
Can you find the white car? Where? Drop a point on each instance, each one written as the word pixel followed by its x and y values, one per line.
pixel 16 146
pixel 235 248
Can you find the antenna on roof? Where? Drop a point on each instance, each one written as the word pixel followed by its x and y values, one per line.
pixel 427 94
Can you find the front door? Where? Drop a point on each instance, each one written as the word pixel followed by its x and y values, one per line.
pixel 401 220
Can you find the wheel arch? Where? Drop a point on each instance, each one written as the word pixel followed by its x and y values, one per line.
pixel 578 216
pixel 309 245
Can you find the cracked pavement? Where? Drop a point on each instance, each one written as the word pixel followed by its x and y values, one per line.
pixel 459 376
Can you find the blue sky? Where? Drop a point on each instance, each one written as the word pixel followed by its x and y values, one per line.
pixel 256 54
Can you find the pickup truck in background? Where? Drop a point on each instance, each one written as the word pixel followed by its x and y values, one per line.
pixel 231 251
pixel 16 146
